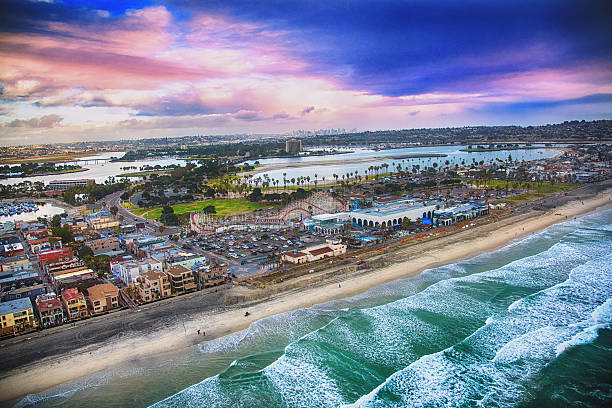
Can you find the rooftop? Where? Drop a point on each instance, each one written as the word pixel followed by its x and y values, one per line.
pixel 102 290
pixel 19 276
pixel 295 254
pixel 394 207
pixel 320 251
pixel 152 275
pixel 177 270
pixel 49 304
pixel 71 293
pixel 16 305
pixel 27 289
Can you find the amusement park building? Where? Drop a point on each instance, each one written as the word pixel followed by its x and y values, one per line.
pixel 392 214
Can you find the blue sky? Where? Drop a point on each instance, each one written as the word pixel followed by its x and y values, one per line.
pixel 106 69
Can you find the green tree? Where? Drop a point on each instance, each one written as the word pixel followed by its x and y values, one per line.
pixel 85 252
pixel 56 221
pixel 255 195
pixel 114 210
pixel 209 209
pixel 64 233
pixel 168 217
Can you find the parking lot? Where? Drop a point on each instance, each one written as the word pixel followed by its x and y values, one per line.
pixel 259 247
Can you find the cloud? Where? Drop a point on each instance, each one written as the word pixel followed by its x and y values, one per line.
pixel 307 110
pixel 281 115
pixel 242 65
pixel 47 121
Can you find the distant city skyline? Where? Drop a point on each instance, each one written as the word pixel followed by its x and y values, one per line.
pixel 103 70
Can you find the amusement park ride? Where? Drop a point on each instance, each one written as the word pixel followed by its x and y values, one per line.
pixel 287 217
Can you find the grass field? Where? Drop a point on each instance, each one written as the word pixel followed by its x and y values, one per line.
pixel 139 211
pixel 224 208
pixel 543 188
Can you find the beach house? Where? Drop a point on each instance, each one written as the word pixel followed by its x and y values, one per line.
pixel 181 279
pixel 16 316
pixel 74 303
pixel 103 297
pixel 153 285
pixel 49 309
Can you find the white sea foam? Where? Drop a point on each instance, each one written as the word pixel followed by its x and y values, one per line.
pixel 481 367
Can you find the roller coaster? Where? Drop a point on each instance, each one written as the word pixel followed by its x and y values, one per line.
pixel 295 211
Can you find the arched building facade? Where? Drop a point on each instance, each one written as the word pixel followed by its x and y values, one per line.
pixel 391 214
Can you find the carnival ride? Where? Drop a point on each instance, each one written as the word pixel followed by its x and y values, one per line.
pixel 288 216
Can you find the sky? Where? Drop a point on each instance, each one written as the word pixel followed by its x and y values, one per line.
pixel 103 70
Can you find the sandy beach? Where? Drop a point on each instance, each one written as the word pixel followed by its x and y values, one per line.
pixel 181 333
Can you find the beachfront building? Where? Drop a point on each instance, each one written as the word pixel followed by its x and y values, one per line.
pixel 50 310
pixel 16 316
pixel 392 213
pixel 103 297
pixel 328 224
pixel 189 261
pixel 153 285
pixel 332 247
pixel 74 303
pixel 463 212
pixel 181 279
pixel 295 257
pixel 129 271
pixel 208 276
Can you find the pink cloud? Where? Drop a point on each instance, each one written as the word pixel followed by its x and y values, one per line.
pixel 47 121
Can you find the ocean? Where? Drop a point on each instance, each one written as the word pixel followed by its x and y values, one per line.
pixel 528 325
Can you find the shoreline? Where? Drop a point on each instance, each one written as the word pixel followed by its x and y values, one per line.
pixel 269 167
pixel 83 362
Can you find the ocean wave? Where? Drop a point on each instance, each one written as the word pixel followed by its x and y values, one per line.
pixel 490 331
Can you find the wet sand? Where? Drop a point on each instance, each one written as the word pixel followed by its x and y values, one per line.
pixel 136 337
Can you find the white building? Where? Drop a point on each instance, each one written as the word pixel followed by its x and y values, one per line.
pixel 332 247
pixel 129 271
pixel 391 214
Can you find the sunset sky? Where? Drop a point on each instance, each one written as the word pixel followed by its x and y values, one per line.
pixel 90 70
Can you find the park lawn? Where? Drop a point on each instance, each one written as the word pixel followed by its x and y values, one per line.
pixel 139 211
pixel 224 208
pixel 543 187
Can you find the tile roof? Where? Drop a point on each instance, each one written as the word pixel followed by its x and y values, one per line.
pixel 320 251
